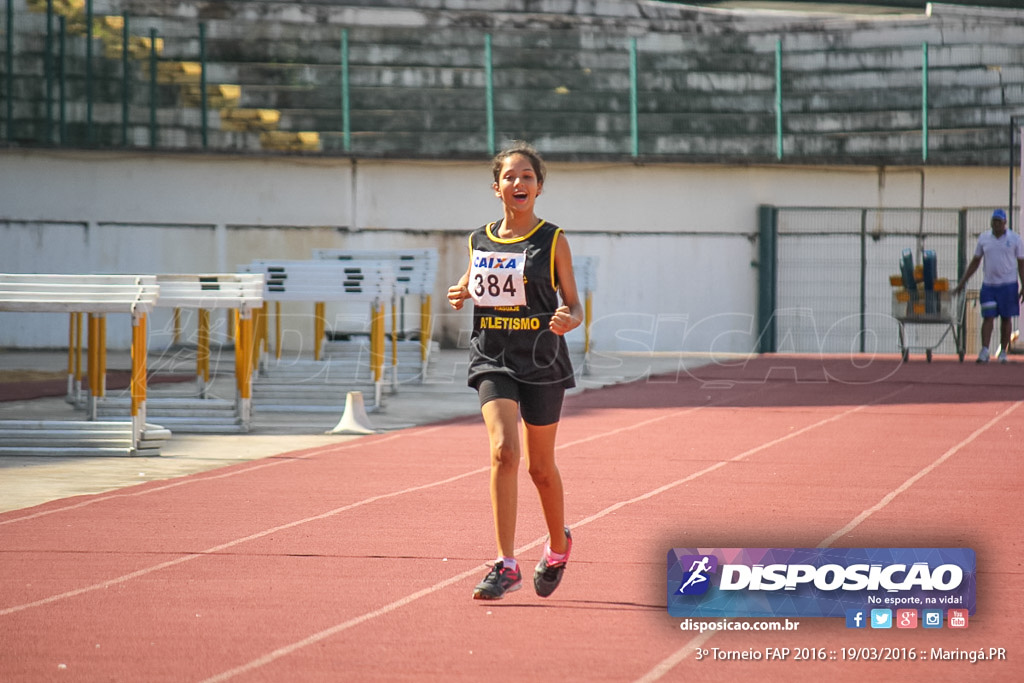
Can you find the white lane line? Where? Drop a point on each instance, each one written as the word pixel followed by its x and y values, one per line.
pixel 344 626
pixel 184 480
pixel 667 664
pixel 678 656
pixel 219 548
pixel 402 602
pixel 889 497
pixel 230 544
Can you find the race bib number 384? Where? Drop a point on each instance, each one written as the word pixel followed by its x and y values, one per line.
pixel 496 278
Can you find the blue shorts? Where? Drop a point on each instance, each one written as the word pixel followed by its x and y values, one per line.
pixel 999 300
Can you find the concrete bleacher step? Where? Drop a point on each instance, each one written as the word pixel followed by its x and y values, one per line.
pixel 826 103
pixel 969 76
pixel 220 96
pixel 301 141
pixel 34 45
pixel 223 93
pixel 440 144
pixel 401 13
pixel 107 130
pixel 902 57
pixel 174 72
pixel 241 118
pixel 383 121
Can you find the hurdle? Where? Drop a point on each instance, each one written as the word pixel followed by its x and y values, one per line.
pixel 205 292
pixel 318 282
pixel 97 296
pixel 415 275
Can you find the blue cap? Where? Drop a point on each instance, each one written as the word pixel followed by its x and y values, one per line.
pixel 1000 214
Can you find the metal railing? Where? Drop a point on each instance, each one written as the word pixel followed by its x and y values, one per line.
pixel 621 109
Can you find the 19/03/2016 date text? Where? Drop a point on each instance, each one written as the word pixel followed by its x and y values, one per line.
pixel 874 654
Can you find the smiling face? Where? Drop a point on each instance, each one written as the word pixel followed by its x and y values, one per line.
pixel 518 184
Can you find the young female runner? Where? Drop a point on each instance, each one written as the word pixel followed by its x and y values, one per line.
pixel 519 363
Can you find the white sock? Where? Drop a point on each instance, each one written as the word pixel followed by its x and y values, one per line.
pixel 509 562
pixel 552 556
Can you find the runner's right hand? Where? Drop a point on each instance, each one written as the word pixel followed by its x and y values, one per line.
pixel 456 295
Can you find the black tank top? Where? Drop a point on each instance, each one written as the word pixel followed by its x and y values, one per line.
pixel 515 340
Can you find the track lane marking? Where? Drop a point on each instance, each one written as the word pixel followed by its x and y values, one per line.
pixel 889 497
pixel 230 544
pixel 197 477
pixel 397 604
pixel 219 548
pixel 402 602
pixel 680 655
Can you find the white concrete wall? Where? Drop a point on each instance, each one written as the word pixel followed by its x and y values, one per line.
pixel 676 243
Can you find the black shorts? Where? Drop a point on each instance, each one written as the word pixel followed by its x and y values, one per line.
pixel 539 404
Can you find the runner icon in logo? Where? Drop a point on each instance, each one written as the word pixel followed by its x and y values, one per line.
pixel 700 567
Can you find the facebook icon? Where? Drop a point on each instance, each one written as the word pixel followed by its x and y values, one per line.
pixel 856 618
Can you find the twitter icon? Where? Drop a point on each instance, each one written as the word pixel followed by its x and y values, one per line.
pixel 881 618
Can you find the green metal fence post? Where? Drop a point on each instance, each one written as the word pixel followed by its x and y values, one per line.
pixel 961 259
pixel 863 276
pixel 152 87
pixel 126 81
pixel 48 68
pixel 489 76
pixel 90 134
pixel 961 244
pixel 9 64
pixel 924 101
pixel 202 83
pixel 62 83
pixel 767 218
pixel 1013 151
pixel 346 121
pixel 634 124
pixel 778 98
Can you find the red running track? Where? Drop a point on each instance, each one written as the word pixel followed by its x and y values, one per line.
pixel 357 561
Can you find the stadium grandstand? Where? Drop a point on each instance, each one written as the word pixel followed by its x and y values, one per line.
pixel 816 82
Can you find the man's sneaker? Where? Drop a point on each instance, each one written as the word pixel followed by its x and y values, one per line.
pixel 546 577
pixel 498 581
pixel 1002 356
pixel 983 356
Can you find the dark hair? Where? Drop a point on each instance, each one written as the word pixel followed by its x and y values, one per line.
pixel 519 147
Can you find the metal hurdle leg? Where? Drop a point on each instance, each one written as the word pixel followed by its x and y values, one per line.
pixel 138 379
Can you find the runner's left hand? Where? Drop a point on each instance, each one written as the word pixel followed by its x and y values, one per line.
pixel 562 321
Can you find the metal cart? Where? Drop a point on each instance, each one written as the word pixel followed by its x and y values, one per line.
pixel 917 307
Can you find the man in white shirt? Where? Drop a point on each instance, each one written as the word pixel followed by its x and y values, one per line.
pixel 1003 254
